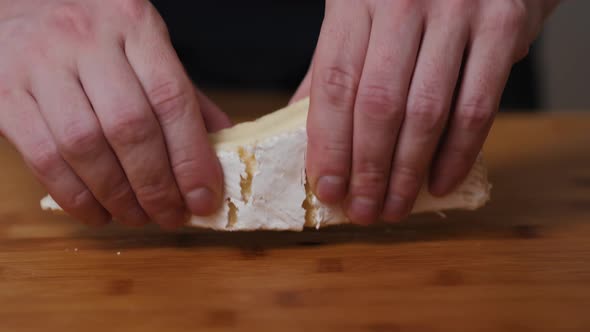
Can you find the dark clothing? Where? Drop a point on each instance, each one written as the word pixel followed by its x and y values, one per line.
pixel 265 44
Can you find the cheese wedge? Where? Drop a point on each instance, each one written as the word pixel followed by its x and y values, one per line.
pixel 263 163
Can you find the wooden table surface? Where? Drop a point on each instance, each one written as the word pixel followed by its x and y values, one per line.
pixel 522 263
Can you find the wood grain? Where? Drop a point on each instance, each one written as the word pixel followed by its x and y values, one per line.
pixel 520 264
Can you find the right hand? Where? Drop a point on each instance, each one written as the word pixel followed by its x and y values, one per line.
pixel 94 97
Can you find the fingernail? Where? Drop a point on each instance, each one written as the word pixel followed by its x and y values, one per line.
pixel 396 208
pixel 363 210
pixel 202 201
pixel 331 189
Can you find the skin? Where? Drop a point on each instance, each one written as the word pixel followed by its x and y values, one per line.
pixel 95 99
pixel 401 87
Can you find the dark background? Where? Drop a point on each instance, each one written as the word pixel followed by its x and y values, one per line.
pixel 267 45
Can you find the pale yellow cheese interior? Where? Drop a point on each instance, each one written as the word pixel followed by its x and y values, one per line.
pixel 247 133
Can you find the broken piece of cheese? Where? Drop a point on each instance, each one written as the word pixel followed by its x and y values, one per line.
pixel 265 185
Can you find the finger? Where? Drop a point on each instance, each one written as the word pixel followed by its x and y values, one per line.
pixel 171 94
pixel 336 73
pixel 429 101
pixel 304 88
pixel 380 106
pixel 485 75
pixel 215 119
pixel 80 141
pixel 24 127
pixel 133 132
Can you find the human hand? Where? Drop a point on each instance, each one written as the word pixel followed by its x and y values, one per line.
pixel 93 96
pixel 399 87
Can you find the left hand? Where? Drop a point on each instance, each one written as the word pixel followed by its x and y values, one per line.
pixel 384 79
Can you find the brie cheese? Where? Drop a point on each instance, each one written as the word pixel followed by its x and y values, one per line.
pixel 263 164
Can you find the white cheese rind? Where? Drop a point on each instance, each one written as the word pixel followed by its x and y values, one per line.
pixel 277 186
pixel 233 170
pixel 275 146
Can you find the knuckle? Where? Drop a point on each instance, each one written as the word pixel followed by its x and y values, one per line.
pixel 408 180
pixel 7 92
pixel 508 16
pixel 459 6
pixel 427 111
pixel 186 168
pixel 475 114
pixel 371 177
pixel 334 150
pixel 333 157
pixel 474 119
pixel 131 129
pixel 79 140
pixel 380 103
pixel 459 155
pixel 404 7
pixel 71 18
pixel 133 10
pixel 117 193
pixel 45 161
pixel 339 84
pixel 157 194
pixel 79 200
pixel 170 100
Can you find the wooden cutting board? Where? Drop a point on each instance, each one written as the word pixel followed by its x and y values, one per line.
pixel 520 264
